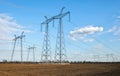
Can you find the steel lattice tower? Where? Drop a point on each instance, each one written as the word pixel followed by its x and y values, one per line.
pixel 21 39
pixel 46 53
pixel 60 51
pixel 15 39
pixel 33 49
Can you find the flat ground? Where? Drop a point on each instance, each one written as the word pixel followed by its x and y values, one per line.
pixel 60 70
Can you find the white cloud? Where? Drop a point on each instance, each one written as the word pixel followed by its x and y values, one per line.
pixel 114 40
pixel 98 47
pixel 8 26
pixel 115 30
pixel 118 17
pixel 88 40
pixel 112 29
pixel 80 33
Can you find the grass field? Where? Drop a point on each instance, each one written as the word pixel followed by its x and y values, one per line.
pixel 60 69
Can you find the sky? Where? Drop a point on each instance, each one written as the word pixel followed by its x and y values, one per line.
pixel 93 33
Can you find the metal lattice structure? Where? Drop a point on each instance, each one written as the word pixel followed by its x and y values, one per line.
pixel 60 52
pixel 33 50
pixel 15 39
pixel 46 53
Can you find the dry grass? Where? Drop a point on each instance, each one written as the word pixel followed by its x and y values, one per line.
pixel 60 70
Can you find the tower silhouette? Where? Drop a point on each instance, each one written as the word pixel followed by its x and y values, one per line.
pixel 21 40
pixel 60 51
pixel 46 53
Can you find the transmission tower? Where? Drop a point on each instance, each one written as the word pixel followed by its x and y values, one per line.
pixel 46 53
pixel 96 58
pixel 112 57
pixel 29 49
pixel 28 53
pixel 15 39
pixel 60 52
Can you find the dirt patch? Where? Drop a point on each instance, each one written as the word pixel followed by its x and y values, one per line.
pixel 59 70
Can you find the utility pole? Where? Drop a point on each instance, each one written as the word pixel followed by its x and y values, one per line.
pixel 60 52
pixel 15 39
pixel 33 49
pixel 46 53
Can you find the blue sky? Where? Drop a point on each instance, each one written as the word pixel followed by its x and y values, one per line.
pixel 94 28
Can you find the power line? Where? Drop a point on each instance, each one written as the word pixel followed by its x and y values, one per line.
pixel 33 49
pixel 60 52
pixel 73 24
pixel 15 39
pixel 107 46
pixel 46 53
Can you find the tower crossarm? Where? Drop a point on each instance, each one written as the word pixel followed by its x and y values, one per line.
pixel 16 37
pixel 61 15
pixel 47 20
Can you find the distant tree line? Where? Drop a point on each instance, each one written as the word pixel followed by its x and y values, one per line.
pixel 70 62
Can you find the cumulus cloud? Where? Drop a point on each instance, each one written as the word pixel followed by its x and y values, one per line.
pixel 80 33
pixel 115 30
pixel 8 26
